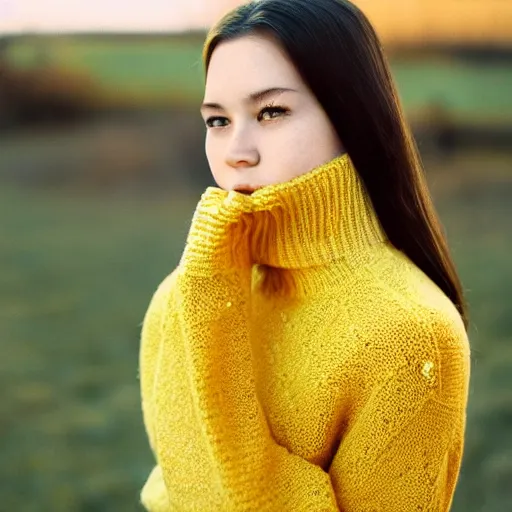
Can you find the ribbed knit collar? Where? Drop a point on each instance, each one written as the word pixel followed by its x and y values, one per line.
pixel 318 218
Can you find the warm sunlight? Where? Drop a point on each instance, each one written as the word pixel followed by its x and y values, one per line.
pixel 396 20
pixel 108 15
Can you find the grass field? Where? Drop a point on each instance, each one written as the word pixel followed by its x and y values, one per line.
pixel 148 70
pixel 164 69
pixel 76 274
pixel 78 268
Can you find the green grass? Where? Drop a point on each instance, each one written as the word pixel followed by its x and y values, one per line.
pixel 172 68
pixel 152 68
pixel 473 197
pixel 76 274
pixel 466 90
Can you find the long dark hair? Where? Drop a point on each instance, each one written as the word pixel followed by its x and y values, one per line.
pixel 338 54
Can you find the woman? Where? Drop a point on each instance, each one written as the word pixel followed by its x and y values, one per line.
pixel 309 352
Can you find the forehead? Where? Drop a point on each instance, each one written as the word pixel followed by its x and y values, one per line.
pixel 246 64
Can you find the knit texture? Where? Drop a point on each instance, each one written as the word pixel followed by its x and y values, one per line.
pixel 296 361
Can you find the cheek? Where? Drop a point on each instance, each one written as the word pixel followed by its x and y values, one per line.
pixel 295 147
pixel 215 159
pixel 298 138
pixel 220 177
pixel 209 147
pixel 315 141
pixel 213 152
pixel 304 146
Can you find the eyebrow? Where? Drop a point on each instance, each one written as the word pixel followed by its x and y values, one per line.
pixel 253 98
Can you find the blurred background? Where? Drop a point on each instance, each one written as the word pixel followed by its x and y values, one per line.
pixel 101 166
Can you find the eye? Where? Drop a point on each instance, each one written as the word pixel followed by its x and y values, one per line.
pixel 271 112
pixel 216 122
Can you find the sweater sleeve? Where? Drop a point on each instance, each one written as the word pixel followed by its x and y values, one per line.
pixel 210 436
pixel 404 447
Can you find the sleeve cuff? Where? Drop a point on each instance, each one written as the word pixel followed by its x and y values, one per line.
pixel 219 234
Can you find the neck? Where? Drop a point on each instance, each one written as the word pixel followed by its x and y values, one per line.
pixel 315 219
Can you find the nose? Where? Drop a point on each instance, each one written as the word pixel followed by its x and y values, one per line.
pixel 242 151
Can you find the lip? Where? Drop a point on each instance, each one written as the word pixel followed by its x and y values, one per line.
pixel 245 189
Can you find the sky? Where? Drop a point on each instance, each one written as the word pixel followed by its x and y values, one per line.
pixel 109 15
pixel 395 20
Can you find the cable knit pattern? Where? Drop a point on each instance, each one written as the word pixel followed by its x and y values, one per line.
pixel 296 361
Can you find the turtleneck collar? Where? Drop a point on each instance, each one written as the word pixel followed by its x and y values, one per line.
pixel 318 218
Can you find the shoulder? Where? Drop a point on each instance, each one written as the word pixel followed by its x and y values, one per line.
pixel 408 341
pixel 396 301
pixel 402 320
pixel 404 325
pixel 415 351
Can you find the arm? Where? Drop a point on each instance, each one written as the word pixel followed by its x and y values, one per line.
pixel 233 464
pixel 404 448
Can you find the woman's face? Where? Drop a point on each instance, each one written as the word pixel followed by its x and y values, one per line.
pixel 264 125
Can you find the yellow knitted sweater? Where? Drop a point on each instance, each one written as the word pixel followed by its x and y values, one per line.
pixel 296 361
